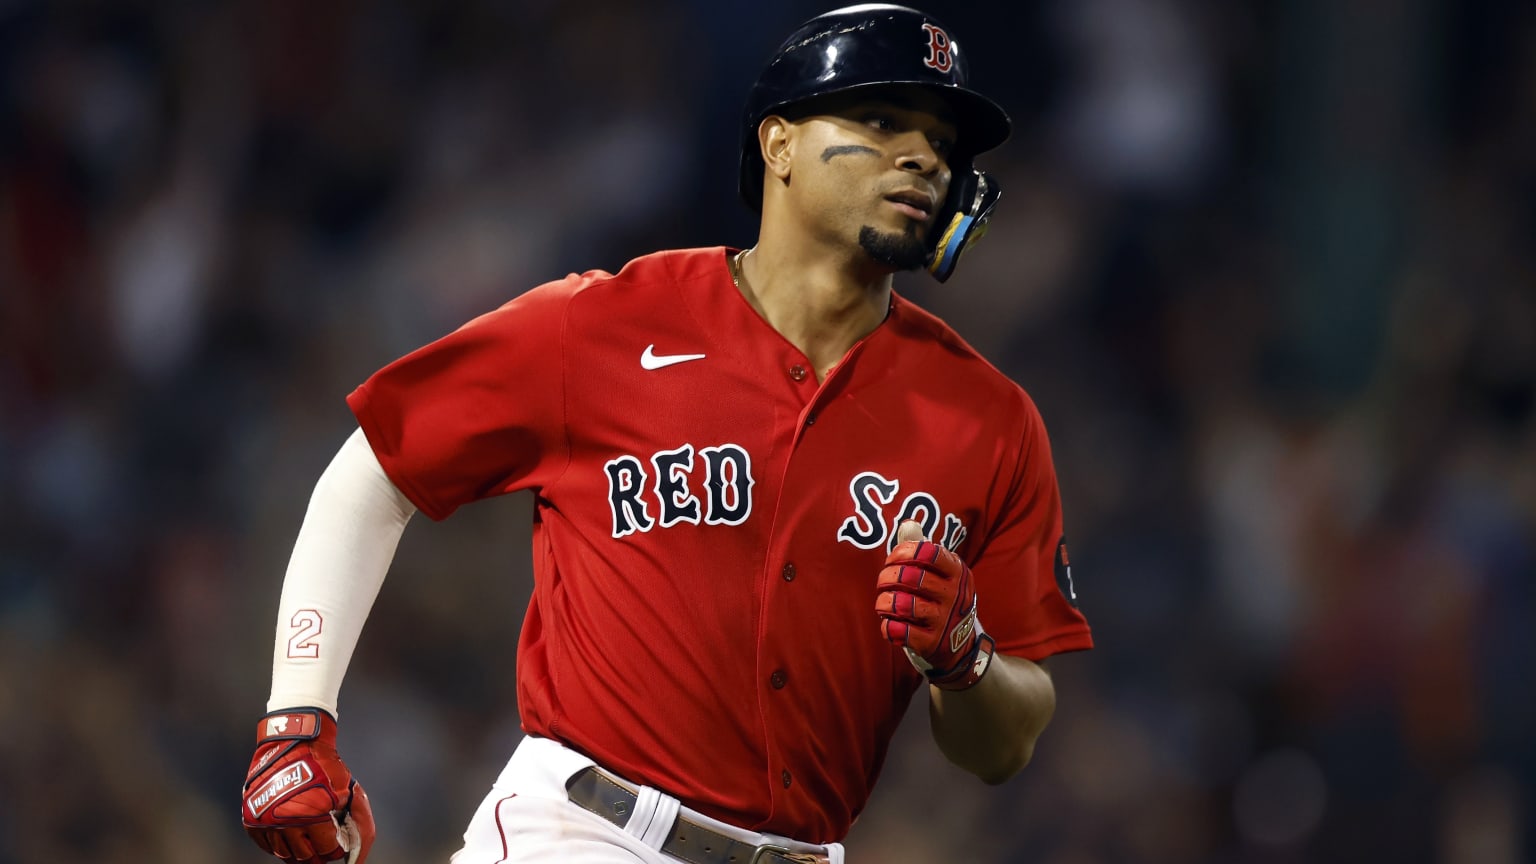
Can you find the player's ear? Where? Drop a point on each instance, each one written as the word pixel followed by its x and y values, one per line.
pixel 775 137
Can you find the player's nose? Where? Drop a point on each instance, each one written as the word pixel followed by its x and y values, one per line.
pixel 915 153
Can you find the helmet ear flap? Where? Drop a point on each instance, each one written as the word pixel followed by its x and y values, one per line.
pixel 964 220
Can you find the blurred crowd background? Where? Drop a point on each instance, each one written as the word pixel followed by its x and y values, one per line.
pixel 1268 267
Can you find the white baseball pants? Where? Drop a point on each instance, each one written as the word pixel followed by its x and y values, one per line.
pixel 527 817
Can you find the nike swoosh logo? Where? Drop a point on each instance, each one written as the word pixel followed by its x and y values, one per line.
pixel 651 360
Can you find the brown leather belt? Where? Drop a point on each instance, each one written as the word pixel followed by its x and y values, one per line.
pixel 688 840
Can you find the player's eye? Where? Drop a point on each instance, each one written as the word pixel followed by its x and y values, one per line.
pixel 883 122
pixel 942 146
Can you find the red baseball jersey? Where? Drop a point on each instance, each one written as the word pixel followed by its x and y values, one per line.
pixel 710 521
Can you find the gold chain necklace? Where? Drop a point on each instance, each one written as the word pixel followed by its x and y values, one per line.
pixel 738 273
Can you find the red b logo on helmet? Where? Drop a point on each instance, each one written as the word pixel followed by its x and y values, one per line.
pixel 938 49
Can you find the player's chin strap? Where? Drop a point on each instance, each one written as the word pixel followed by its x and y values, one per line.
pixel 963 221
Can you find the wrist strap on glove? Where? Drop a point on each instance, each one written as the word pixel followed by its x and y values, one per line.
pixel 965 673
pixel 291 724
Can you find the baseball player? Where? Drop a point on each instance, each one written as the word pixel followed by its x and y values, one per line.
pixel 773 500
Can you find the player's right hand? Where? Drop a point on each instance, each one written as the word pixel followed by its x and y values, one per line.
pixel 300 802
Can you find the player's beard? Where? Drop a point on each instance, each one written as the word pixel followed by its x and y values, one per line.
pixel 903 251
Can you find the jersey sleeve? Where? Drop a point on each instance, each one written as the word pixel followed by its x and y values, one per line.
pixel 1027 600
pixel 477 413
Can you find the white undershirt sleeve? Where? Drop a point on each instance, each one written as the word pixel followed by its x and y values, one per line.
pixel 344 549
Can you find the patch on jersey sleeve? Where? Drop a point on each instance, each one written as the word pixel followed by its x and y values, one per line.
pixel 1064 573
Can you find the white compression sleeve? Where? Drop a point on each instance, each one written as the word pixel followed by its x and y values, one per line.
pixel 344 549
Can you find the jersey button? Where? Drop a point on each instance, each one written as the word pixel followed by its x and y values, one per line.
pixel 778 679
pixel 797 372
pixel 788 572
pixel 786 778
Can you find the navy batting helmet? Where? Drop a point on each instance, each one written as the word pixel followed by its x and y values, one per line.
pixel 878 45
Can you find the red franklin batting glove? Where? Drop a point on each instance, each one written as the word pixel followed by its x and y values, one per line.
pixel 300 802
pixel 927 605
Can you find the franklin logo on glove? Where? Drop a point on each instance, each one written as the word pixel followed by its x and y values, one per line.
pixel 963 632
pixel 287 781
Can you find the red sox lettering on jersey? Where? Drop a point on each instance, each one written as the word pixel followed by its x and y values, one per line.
pixel 868 527
pixel 727 489
pixel 708 531
pixel 727 498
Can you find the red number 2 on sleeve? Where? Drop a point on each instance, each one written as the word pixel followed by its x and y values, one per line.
pixel 306 624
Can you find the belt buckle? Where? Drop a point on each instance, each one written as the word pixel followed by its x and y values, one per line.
pixel 782 851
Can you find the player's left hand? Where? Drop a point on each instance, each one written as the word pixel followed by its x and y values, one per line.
pixel 927 605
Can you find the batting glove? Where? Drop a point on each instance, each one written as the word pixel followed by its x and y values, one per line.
pixel 300 802
pixel 927 605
